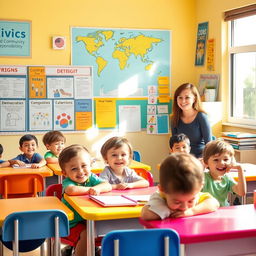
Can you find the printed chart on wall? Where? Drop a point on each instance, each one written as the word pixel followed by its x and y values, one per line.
pixel 124 61
pixel 42 98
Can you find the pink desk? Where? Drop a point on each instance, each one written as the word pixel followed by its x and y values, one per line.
pixel 228 231
pixel 107 218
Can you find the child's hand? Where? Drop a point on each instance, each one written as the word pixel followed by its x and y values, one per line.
pixel 122 186
pixel 94 191
pixel 178 214
pixel 35 166
pixel 19 163
pixel 235 167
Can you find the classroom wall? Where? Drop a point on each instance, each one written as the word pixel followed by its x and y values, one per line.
pixel 51 17
pixel 213 11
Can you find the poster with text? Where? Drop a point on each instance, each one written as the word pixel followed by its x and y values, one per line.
pixel 202 35
pixel 40 112
pixel 13 115
pixel 63 115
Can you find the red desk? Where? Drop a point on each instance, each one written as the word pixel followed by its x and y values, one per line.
pixel 228 231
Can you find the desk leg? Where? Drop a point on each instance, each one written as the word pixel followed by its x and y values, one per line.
pixel 90 238
pixel 60 179
pixel 182 250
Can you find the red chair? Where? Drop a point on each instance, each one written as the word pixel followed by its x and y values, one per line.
pixel 146 175
pixel 21 185
pixel 56 190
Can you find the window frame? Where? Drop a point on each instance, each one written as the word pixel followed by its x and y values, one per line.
pixel 231 51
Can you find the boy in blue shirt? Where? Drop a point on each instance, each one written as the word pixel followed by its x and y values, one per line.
pixel 28 145
pixel 2 162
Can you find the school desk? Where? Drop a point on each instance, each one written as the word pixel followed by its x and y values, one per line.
pixel 11 205
pixel 97 167
pixel 107 218
pixel 228 231
pixel 44 171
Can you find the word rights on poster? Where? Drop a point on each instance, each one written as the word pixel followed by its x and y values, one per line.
pixel 42 98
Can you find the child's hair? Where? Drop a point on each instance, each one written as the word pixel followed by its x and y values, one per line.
pixel 115 142
pixel 217 147
pixel 176 111
pixel 1 149
pixel 27 137
pixel 180 173
pixel 177 138
pixel 70 152
pixel 53 136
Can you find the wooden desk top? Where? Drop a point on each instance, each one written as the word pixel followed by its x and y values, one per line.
pixel 99 165
pixel 91 210
pixel 226 223
pixel 44 171
pixel 9 206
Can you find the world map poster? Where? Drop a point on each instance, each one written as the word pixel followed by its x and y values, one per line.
pixel 125 62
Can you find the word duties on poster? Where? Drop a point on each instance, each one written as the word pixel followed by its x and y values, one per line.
pixel 42 98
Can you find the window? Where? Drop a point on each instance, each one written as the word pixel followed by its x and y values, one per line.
pixel 242 54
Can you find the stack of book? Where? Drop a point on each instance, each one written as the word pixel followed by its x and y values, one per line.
pixel 239 140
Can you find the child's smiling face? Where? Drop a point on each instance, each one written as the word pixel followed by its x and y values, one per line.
pixel 78 168
pixel 218 164
pixel 56 147
pixel 29 148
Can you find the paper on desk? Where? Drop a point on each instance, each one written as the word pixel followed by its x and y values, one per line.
pixel 23 166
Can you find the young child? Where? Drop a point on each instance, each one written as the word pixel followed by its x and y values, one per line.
pixel 54 141
pixel 75 162
pixel 28 145
pixel 117 153
pixel 218 157
pixel 181 180
pixel 179 143
pixel 2 162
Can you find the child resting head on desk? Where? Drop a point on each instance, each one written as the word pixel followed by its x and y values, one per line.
pixel 179 143
pixel 117 153
pixel 218 157
pixel 75 162
pixel 181 180
pixel 28 145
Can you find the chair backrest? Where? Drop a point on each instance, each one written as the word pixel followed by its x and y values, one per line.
pixel 150 242
pixel 54 190
pixel 21 185
pixel 146 175
pixel 20 227
pixel 136 156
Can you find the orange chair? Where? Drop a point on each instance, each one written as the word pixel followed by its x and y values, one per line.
pixel 21 185
pixel 146 175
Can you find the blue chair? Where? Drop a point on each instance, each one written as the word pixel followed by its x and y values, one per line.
pixel 150 242
pixel 136 156
pixel 26 231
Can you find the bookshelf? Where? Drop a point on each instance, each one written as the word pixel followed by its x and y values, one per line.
pixel 245 156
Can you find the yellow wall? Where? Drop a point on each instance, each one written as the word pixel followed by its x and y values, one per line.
pixel 51 17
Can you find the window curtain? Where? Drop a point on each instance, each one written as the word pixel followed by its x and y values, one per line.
pixel 240 12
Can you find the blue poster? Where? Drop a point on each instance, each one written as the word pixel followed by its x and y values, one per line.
pixel 15 38
pixel 202 35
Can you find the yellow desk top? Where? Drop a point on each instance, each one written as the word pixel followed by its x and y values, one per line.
pixel 11 205
pixel 99 165
pixel 90 210
pixel 44 171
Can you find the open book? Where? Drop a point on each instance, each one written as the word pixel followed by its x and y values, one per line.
pixel 120 200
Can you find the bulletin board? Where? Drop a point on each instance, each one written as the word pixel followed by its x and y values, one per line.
pixel 42 98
